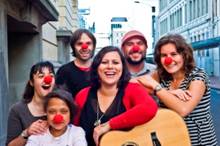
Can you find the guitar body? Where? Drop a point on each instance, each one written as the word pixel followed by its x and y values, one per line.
pixel 167 127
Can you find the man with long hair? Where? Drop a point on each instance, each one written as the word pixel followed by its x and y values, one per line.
pixel 74 75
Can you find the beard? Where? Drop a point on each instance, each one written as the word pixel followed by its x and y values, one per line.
pixel 78 55
pixel 134 62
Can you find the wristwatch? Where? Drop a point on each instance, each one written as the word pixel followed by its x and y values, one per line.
pixel 157 88
pixel 24 134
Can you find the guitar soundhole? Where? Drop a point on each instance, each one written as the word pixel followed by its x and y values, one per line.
pixel 129 143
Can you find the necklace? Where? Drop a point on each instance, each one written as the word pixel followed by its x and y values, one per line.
pixel 98 120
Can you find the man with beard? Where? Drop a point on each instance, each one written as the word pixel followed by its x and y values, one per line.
pixel 74 75
pixel 134 46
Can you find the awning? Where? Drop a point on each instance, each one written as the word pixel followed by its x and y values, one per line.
pixel 208 43
pixel 47 9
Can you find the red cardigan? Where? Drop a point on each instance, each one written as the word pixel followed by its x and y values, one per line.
pixel 140 107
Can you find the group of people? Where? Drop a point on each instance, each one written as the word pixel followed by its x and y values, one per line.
pixel 92 95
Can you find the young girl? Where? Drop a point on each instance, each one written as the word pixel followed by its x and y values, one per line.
pixel 60 110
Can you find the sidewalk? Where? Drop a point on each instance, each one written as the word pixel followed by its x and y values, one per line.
pixel 214 82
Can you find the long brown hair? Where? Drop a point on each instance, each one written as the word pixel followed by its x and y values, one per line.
pixel 182 48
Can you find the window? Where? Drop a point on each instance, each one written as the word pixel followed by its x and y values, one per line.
pixel 199 8
pixel 203 36
pixel 163 4
pixel 194 38
pixel 163 26
pixel 207 53
pixel 206 6
pixel 190 10
pixel 194 9
pixel 153 9
pixel 215 8
pixel 186 14
pixel 116 25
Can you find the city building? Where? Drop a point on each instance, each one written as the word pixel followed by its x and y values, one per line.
pixel 198 21
pixel 28 34
pixel 82 14
pixel 143 18
pixel 119 26
pixel 57 49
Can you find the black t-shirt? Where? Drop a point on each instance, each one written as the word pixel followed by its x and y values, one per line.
pixel 72 77
pixel 89 113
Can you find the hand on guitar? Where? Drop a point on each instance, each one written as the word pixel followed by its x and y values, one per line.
pixel 167 127
pixel 100 130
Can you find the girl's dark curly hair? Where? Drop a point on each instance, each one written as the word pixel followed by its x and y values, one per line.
pixel 64 96
pixel 182 48
pixel 94 76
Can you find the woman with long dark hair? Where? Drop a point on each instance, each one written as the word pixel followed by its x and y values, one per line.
pixel 27 116
pixel 111 102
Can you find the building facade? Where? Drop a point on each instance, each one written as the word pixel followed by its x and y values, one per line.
pixel 56 35
pixel 198 21
pixel 31 31
pixel 119 26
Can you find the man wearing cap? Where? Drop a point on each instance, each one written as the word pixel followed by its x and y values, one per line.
pixel 74 75
pixel 134 47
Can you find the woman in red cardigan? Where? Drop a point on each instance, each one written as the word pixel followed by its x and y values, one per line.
pixel 112 102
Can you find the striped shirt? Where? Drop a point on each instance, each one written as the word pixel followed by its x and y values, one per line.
pixel 199 121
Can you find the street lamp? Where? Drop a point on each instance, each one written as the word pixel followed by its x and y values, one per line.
pixel 152 7
pixel 152 15
pixel 137 2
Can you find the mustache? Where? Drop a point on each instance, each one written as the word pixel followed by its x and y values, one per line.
pixel 132 52
pixel 130 61
pixel 85 50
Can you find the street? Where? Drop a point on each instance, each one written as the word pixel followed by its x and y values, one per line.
pixel 215 103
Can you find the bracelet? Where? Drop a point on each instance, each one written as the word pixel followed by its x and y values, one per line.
pixel 24 134
pixel 157 88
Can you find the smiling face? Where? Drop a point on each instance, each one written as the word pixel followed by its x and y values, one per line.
pixel 132 54
pixel 110 69
pixel 41 86
pixel 176 66
pixel 84 48
pixel 57 108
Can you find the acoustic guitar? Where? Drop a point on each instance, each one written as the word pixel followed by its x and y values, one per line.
pixel 167 128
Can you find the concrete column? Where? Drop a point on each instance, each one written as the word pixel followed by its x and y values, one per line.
pixel 63 50
pixel 61 54
pixel 63 42
pixel 3 74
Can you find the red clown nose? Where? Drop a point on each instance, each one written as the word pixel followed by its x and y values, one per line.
pixel 48 79
pixel 135 48
pixel 84 46
pixel 168 60
pixel 58 119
